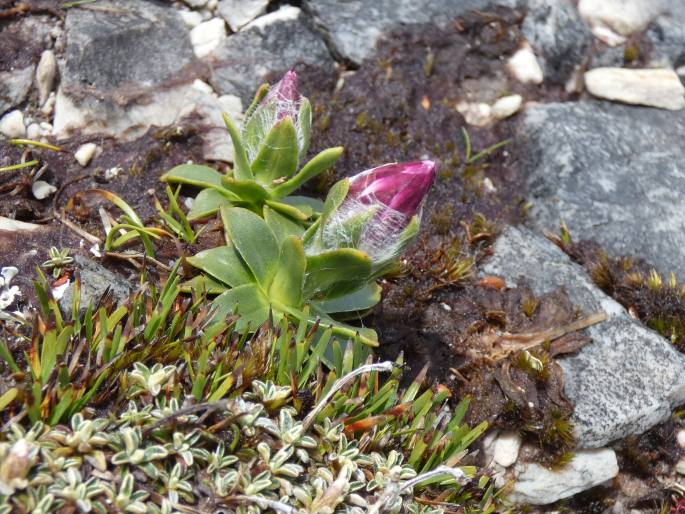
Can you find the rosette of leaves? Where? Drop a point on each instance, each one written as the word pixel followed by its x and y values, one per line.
pixel 268 151
pixel 263 271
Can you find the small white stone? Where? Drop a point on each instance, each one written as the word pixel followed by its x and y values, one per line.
pixel 652 87
pixel 211 5
pixel 42 189
pixel 285 13
pixel 203 87
pixel 12 124
pixel 196 3
pixel 49 104
pixel 506 106
pixel 477 114
pixel 46 128
pixel 207 36
pixel 507 447
pixel 239 13
pixel 539 485
pixel 524 66
pixel 488 185
pixel 623 17
pixel 110 173
pixel 191 18
pixel 45 75
pixel 33 131
pixel 446 307
pixel 681 438
pixel 85 153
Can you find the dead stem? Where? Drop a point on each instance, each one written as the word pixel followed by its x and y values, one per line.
pixel 508 343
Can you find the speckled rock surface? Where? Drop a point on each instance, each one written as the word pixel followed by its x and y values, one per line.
pixel 95 280
pixel 629 378
pixel 139 44
pixel 558 35
pixel 353 27
pixel 539 485
pixel 613 173
pixel 272 43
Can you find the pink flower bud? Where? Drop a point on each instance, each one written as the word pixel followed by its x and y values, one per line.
pixel 399 186
pixel 377 214
pixel 285 96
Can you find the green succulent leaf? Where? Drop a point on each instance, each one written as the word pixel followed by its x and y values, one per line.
pixel 207 202
pixel 366 335
pixel 247 190
pixel 304 203
pixel 242 169
pixel 254 241
pixel 405 239
pixel 304 120
pixel 203 284
pixel 336 196
pixel 281 226
pixel 278 155
pixel 289 210
pixel 316 165
pixel 287 284
pixel 359 300
pixel 193 175
pixel 224 263
pixel 336 272
pixel 248 301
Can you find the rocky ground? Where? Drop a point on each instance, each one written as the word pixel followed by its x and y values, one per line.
pixel 587 101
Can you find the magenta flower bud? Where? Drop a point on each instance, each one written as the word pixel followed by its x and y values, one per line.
pixel 285 97
pixel 399 186
pixel 282 101
pixel 380 214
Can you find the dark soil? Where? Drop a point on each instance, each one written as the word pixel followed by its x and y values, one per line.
pixel 401 106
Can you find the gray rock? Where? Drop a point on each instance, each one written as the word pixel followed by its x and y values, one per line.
pixel 629 378
pixel 538 485
pixel 559 36
pixel 614 173
pixel 95 279
pixel 136 44
pixel 14 87
pixel 352 27
pixel 667 36
pixel 272 43
pixel 129 66
pixel 239 13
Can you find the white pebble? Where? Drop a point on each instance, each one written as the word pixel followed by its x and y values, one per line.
pixel 488 185
pixel 652 87
pixel 524 66
pixel 446 307
pixel 506 106
pixel 191 18
pixel 85 153
pixel 12 125
pixel 507 448
pixel 49 104
pixel 207 36
pixel 33 131
pixel 42 189
pixel 203 87
pixel 475 113
pixel 45 75
pixel 110 173
pixel 681 438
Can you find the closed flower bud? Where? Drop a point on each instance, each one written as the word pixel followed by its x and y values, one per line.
pixel 282 101
pixel 380 214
